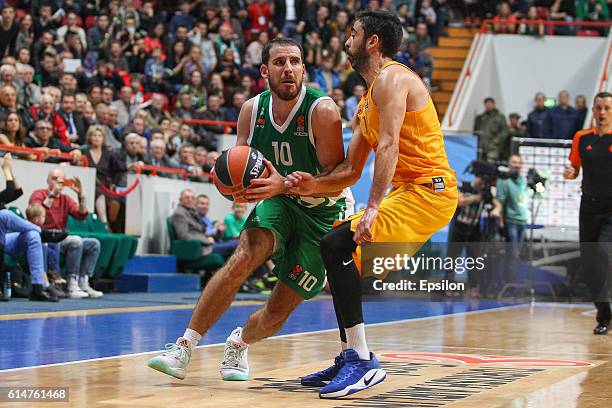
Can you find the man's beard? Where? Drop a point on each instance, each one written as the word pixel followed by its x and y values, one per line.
pixel 360 59
pixel 282 92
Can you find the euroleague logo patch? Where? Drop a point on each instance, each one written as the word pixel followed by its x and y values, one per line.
pixel 478 359
pixel 261 122
pixel 300 129
pixel 296 272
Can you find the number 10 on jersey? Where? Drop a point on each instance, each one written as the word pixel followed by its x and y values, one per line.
pixel 282 153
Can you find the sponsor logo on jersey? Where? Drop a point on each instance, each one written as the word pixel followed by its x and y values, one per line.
pixel 296 272
pixel 300 128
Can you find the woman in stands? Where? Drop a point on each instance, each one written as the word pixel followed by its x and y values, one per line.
pixel 197 89
pixel 13 133
pixel 108 165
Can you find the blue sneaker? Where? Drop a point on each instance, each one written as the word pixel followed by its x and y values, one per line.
pixel 354 376
pixel 324 377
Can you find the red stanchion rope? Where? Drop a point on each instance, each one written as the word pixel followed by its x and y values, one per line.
pixel 112 193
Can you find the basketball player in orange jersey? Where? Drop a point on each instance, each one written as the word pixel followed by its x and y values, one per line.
pixel 396 117
pixel 295 128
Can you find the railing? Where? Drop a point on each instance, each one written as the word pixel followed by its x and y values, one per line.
pixel 227 125
pixel 549 24
pixel 41 155
pixel 155 170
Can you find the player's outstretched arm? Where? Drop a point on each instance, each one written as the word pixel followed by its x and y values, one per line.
pixel 337 178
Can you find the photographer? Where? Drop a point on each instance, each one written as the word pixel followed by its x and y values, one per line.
pixel 512 194
pixel 592 150
pixel 474 198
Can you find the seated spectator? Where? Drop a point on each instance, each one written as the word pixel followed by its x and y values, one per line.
pixel 536 120
pixel 25 238
pixel 229 69
pixel 428 16
pixel 210 133
pixel 187 162
pixel 107 95
pixel 81 254
pixel 188 226
pixel 492 131
pixel 46 111
pixel 211 159
pixel 581 108
pixel 8 103
pixel 536 30
pixel 337 96
pixel 71 26
pixel 13 132
pixel 158 157
pixel 231 113
pixel 125 105
pixel 185 108
pixel 235 221
pixel 353 101
pixel 326 77
pixel 504 22
pixel 103 119
pixel 594 10
pixel 215 230
pixel 29 93
pixel 156 109
pixel 109 168
pixel 563 10
pixel 197 90
pixel 562 120
pixel 130 154
pixel 200 156
pixel 42 139
pixel 74 122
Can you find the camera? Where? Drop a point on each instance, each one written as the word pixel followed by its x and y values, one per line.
pixel 536 181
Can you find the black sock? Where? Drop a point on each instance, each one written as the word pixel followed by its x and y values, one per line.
pixel 344 279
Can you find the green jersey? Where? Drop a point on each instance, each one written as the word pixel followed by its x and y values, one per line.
pixel 291 146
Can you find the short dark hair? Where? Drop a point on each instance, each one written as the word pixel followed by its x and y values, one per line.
pixel 68 94
pixel 279 42
pixel 386 26
pixel 602 95
pixel 489 99
pixel 202 196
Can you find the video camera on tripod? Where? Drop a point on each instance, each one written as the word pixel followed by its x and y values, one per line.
pixel 489 172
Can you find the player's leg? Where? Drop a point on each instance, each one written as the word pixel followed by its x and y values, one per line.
pixel 255 246
pixel 261 324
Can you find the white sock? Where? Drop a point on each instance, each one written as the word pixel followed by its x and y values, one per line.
pixel 344 345
pixel 193 336
pixel 236 337
pixel 356 340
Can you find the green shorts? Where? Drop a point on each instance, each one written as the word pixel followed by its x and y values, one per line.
pixel 297 231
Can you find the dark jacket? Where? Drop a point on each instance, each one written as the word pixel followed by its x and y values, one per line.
pixel 188 226
pixel 562 123
pixel 492 131
pixel 80 124
pixel 536 123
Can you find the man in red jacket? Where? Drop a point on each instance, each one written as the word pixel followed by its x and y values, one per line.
pixel 81 253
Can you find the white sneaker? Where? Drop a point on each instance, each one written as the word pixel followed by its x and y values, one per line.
pixel 84 285
pixel 235 365
pixel 73 290
pixel 173 362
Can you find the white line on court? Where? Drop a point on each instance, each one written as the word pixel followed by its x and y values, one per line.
pixel 273 338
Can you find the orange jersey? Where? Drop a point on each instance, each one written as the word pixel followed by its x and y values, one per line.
pixel 422 156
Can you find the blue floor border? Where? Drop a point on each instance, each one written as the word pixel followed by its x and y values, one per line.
pixel 73 338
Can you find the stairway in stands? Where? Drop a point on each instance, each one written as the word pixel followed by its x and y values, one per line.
pixel 449 57
pixel 155 273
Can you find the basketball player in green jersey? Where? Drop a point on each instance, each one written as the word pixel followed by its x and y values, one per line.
pixel 296 128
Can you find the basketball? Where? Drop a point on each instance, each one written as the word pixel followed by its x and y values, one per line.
pixel 235 169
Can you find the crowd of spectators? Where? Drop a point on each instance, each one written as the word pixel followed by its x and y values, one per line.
pixel 560 121
pixel 118 81
pixel 530 17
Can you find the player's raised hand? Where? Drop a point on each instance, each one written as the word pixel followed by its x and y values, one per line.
pixel 300 183
pixel 263 188
pixel 363 233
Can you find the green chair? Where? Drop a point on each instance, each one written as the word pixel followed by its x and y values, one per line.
pixel 124 251
pixel 189 253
